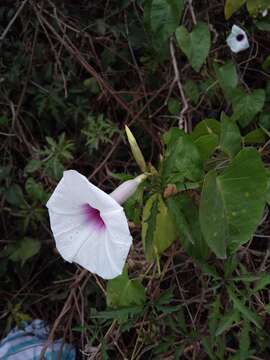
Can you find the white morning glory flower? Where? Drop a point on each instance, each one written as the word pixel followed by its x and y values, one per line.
pixel 89 226
pixel 265 13
pixel 237 40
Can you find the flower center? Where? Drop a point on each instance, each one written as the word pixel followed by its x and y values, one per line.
pixel 240 37
pixel 93 216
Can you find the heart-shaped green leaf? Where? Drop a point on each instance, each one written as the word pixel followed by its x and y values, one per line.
pixel 196 44
pixel 230 137
pixel 227 78
pixel 247 106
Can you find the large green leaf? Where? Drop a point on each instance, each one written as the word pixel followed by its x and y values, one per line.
pixel 232 6
pixel 182 159
pixel 186 216
pixel 232 203
pixel 230 137
pixel 158 227
pixel 196 44
pixel 227 78
pixel 247 106
pixel 123 292
pixel 163 16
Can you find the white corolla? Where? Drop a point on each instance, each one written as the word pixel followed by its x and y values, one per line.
pixel 237 40
pixel 89 226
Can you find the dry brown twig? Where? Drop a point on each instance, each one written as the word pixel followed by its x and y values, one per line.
pixel 13 20
pixel 191 9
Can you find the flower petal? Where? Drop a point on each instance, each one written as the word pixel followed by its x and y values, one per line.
pixel 69 241
pixel 74 208
pixel 237 40
pixel 106 251
pixel 74 190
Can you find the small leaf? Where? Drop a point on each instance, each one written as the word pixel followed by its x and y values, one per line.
pixel 24 250
pixel 226 322
pixel 33 166
pixel 246 278
pixel 262 283
pixel 256 136
pixel 230 137
pixel 232 203
pixel 35 190
pixel 206 145
pixel 191 91
pixel 174 106
pixel 4 120
pixel 263 25
pixel 92 85
pixel 4 172
pixel 245 311
pixel 232 6
pixel 265 120
pixel 123 292
pixel 182 160
pixel 227 78
pixel 246 106
pixel 206 127
pixel 214 316
pixel 244 341
pixel 195 45
pixel 158 228
pixel 14 195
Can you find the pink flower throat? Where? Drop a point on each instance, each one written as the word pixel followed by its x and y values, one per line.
pixel 93 216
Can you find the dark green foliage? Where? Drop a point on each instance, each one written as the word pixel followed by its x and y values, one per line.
pixel 72 75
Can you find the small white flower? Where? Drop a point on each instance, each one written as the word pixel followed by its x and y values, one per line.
pixel 89 226
pixel 237 40
pixel 265 13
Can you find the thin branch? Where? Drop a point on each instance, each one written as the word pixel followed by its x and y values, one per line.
pixel 192 12
pixel 13 20
pixel 182 124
